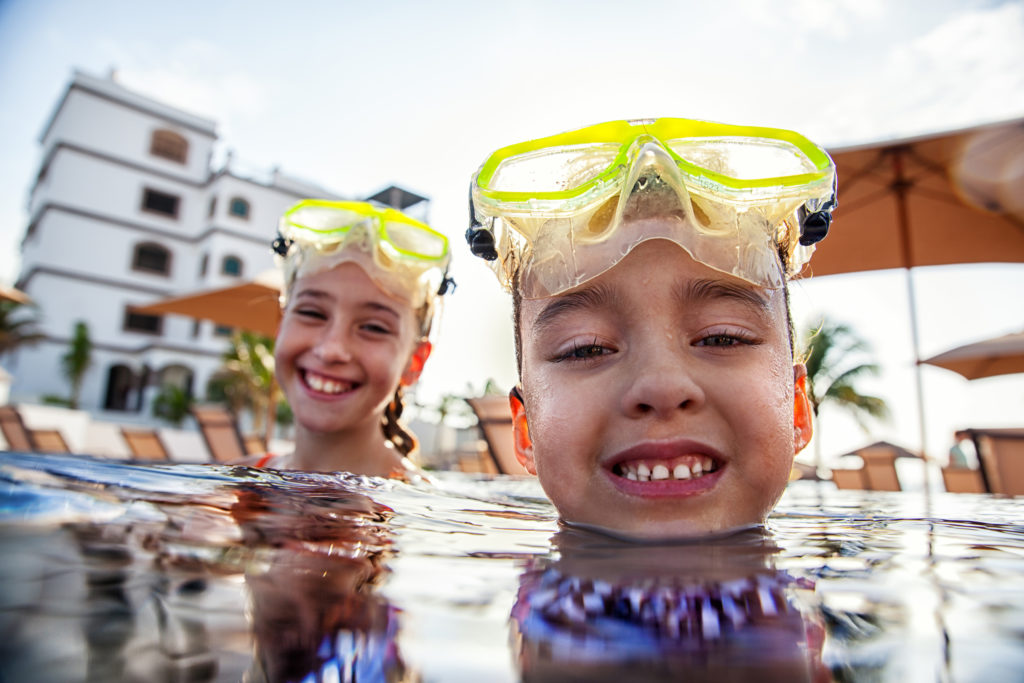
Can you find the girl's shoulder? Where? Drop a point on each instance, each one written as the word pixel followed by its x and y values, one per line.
pixel 257 460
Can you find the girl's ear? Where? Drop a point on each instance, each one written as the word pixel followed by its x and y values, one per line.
pixel 802 421
pixel 414 367
pixel 521 432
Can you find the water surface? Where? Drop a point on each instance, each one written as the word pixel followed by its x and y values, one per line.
pixel 111 571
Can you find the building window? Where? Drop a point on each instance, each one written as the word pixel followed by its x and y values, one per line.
pixel 160 202
pixel 239 208
pixel 152 258
pixel 213 207
pixel 204 263
pixel 141 322
pixel 169 145
pixel 231 265
pixel 223 331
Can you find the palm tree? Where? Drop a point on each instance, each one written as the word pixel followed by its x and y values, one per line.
pixel 246 381
pixel 17 326
pixel 77 361
pixel 836 357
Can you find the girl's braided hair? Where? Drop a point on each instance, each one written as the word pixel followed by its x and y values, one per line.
pixel 394 431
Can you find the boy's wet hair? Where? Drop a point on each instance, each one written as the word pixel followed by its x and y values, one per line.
pixel 517 301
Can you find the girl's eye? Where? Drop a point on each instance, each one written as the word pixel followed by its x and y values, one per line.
pixel 311 313
pixel 375 328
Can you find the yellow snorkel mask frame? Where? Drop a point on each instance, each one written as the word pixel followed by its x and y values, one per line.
pixel 558 211
pixel 407 258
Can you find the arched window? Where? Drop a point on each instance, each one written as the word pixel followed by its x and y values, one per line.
pixel 179 376
pixel 239 208
pixel 231 265
pixel 151 257
pixel 121 383
pixel 169 145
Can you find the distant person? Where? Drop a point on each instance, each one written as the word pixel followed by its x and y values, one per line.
pixel 361 287
pixel 648 265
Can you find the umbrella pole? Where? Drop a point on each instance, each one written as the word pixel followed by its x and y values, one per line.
pixel 900 187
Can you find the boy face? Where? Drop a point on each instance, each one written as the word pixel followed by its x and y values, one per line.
pixel 661 398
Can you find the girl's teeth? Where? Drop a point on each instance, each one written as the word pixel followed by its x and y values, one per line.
pixel 681 471
pixel 698 469
pixel 659 472
pixel 643 472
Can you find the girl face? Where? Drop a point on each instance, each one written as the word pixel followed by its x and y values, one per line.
pixel 661 398
pixel 343 348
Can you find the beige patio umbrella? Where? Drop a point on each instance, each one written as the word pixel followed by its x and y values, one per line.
pixel 998 356
pixel 12 294
pixel 956 197
pixel 252 305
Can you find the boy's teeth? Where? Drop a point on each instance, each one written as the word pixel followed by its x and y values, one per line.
pixel 642 471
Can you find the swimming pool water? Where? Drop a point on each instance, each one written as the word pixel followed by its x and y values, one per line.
pixel 111 571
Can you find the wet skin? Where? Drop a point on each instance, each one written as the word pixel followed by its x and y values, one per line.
pixel 661 398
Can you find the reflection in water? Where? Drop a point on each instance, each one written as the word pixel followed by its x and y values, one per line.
pixel 314 612
pixel 601 609
pixel 116 572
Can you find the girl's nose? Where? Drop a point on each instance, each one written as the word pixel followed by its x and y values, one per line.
pixel 663 381
pixel 333 346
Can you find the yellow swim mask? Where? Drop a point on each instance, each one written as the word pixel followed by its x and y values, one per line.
pixel 561 210
pixel 407 258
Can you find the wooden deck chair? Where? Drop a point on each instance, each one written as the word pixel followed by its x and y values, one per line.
pixel 963 480
pixel 849 479
pixel 220 432
pixel 494 419
pixel 17 435
pixel 21 438
pixel 1001 452
pixel 254 444
pixel 145 444
pixel 49 441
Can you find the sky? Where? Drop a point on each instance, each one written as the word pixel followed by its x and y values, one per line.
pixel 357 96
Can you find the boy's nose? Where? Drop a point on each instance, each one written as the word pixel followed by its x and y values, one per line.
pixel 662 386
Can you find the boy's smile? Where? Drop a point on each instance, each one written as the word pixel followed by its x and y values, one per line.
pixel 659 397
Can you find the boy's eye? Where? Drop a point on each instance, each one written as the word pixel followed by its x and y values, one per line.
pixel 723 340
pixel 585 352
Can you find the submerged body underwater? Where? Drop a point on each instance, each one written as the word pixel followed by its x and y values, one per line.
pixel 113 571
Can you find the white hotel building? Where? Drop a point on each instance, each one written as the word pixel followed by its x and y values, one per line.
pixel 127 210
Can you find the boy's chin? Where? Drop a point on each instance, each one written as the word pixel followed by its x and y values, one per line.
pixel 676 531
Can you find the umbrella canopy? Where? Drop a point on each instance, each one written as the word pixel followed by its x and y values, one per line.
pixel 249 306
pixel 12 294
pixel 951 198
pixel 956 197
pixel 999 356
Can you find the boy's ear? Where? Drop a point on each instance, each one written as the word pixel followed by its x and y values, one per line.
pixel 414 367
pixel 802 420
pixel 521 432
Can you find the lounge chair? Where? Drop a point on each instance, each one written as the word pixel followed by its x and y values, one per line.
pixel 220 432
pixel 494 419
pixel 21 438
pixel 963 480
pixel 145 444
pixel 1001 454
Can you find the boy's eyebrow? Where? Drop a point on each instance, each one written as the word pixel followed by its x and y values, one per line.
pixel 591 297
pixel 721 289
